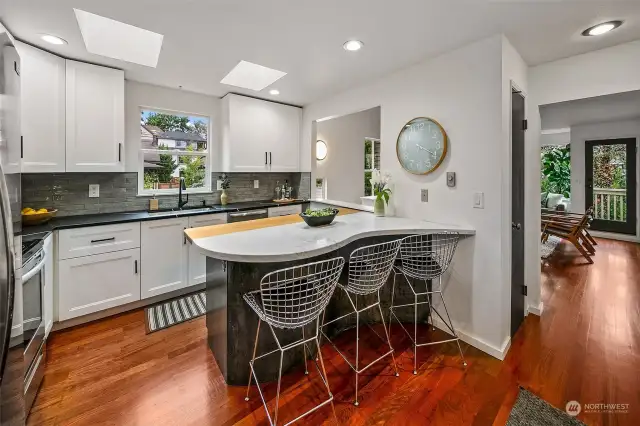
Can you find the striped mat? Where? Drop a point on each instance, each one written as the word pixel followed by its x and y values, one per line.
pixel 175 311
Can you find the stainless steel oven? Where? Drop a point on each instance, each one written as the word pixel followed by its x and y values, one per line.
pixel 33 327
pixel 247 215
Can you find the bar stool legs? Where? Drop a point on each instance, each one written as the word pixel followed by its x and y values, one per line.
pixel 356 368
pixel 321 371
pixel 429 302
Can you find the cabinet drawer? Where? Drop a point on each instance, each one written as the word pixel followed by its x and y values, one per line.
pixel 98 239
pixel 95 283
pixel 285 210
pixel 207 220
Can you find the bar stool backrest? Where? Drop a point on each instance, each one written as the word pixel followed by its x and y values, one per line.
pixel 426 257
pixel 370 266
pixel 295 296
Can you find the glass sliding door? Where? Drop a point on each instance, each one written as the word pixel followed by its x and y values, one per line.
pixel 610 167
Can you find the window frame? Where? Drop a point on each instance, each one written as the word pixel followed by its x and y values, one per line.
pixel 373 161
pixel 207 188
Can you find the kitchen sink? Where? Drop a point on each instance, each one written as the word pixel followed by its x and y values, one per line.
pixel 189 210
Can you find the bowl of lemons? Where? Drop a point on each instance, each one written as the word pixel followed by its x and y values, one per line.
pixel 37 216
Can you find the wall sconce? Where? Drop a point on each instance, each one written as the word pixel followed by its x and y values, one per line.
pixel 321 150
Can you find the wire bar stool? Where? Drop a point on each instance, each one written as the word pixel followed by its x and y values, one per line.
pixel 424 258
pixel 291 298
pixel 369 269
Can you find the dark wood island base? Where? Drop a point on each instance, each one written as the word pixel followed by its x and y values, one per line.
pixel 231 324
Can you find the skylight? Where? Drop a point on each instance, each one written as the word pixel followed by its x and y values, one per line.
pixel 117 40
pixel 252 76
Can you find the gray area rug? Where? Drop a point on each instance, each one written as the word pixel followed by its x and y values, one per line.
pixel 175 311
pixel 549 246
pixel 529 410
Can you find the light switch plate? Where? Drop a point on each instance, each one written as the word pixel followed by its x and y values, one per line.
pixel 424 195
pixel 478 200
pixel 256 184
pixel 94 191
pixel 451 179
pixel 219 185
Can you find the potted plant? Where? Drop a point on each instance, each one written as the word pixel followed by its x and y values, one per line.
pixel 380 182
pixel 224 184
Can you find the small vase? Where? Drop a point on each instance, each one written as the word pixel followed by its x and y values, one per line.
pixel 378 207
pixel 223 197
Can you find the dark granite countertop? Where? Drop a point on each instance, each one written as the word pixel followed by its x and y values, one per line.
pixel 79 221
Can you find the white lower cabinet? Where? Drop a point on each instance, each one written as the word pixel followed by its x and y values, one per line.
pixel 93 283
pixel 164 252
pixel 197 260
pixel 48 285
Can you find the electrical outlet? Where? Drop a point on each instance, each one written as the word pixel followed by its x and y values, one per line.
pixel 424 195
pixel 256 184
pixel 94 191
pixel 218 184
pixel 478 200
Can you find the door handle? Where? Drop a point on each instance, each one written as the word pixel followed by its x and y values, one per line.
pixel 135 266
pixel 184 238
pixel 265 158
pixel 269 157
pixel 516 226
pixel 119 152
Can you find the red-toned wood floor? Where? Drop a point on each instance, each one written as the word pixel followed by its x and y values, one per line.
pixel 585 347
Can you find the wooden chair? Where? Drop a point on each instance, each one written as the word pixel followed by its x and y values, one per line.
pixel 570 227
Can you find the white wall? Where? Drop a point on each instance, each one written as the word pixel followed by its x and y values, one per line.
pixel 145 95
pixel 561 138
pixel 596 131
pixel 462 89
pixel 343 168
pixel 602 72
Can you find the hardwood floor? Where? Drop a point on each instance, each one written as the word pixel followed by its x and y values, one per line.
pixel 585 347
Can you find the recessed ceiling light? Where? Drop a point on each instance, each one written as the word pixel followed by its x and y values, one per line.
pixel 274 92
pixel 53 39
pixel 352 45
pixel 252 76
pixel 117 40
pixel 602 28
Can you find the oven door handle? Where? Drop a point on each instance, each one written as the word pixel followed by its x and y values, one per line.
pixel 26 277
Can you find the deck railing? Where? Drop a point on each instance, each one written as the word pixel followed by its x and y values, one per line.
pixel 610 204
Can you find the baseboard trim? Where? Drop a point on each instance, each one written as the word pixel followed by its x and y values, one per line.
pixel 614 236
pixel 476 342
pixel 535 310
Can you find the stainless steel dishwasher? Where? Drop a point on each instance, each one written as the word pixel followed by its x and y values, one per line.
pixel 247 215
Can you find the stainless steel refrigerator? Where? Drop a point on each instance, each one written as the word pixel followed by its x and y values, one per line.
pixel 12 407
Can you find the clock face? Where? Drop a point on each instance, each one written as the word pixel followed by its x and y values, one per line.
pixel 421 146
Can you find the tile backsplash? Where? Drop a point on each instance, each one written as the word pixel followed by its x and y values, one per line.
pixel 69 192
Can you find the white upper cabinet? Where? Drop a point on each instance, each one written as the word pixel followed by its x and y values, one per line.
pixel 10 130
pixel 94 118
pixel 259 136
pixel 43 110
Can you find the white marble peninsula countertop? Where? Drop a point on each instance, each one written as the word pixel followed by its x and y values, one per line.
pixel 286 238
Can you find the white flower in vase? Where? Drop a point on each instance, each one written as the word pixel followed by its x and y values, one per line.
pixel 380 184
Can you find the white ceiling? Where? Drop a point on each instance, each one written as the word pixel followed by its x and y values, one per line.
pixel 205 39
pixel 620 106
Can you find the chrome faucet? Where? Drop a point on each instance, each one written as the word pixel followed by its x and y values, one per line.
pixel 183 187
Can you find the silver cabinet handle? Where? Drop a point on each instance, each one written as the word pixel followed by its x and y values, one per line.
pixel 251 213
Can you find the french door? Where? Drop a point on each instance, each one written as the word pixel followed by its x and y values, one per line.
pixel 610 167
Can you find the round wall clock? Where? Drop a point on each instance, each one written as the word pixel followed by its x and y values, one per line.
pixel 421 146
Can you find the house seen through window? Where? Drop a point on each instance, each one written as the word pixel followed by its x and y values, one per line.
pixel 173 145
